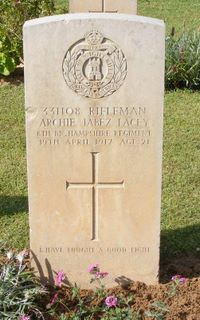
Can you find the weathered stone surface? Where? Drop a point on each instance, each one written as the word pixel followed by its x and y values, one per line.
pixel 94 105
pixel 117 6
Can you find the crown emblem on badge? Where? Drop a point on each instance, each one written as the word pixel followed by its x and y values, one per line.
pixel 94 37
pixel 94 67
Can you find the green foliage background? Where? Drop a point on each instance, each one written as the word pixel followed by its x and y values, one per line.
pixel 183 61
pixel 13 14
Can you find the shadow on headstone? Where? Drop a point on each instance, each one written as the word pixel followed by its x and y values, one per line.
pixel 49 271
pixel 52 274
pixel 39 267
pixel 50 278
pixel 124 282
pixel 13 204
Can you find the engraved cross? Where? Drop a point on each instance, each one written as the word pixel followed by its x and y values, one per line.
pixel 95 185
pixel 104 8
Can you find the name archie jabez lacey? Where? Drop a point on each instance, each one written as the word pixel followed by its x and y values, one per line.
pixel 128 122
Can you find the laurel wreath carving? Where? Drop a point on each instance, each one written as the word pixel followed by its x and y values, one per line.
pixel 120 72
pixel 120 66
pixel 69 67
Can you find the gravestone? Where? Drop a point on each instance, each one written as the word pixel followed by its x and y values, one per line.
pixel 94 110
pixel 109 6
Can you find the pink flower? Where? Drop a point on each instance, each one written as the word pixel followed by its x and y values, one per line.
pixel 59 278
pixel 179 279
pixel 94 268
pixel 101 275
pixel 54 299
pixel 111 301
pixel 24 317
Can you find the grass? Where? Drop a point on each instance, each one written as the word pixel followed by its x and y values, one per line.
pixel 181 14
pixel 61 6
pixel 181 178
pixel 13 187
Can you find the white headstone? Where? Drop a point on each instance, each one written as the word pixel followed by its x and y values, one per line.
pixel 108 6
pixel 94 109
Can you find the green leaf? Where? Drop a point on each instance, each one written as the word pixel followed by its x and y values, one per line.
pixel 7 64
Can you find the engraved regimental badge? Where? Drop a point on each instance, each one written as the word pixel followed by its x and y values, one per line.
pixel 94 66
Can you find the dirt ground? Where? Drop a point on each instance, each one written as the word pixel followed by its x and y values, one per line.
pixel 183 304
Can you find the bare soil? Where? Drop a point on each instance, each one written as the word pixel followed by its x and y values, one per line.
pixel 184 304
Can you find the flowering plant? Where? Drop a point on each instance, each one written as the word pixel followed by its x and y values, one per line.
pixel 95 271
pixel 101 275
pixel 60 276
pixel 93 268
pixel 119 308
pixel 98 276
pixel 177 280
pixel 18 289
pixel 55 301
pixel 25 317
pixel 111 301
